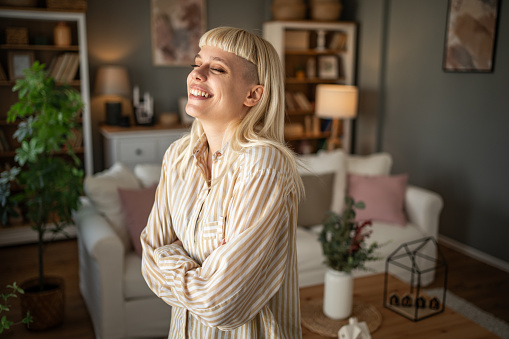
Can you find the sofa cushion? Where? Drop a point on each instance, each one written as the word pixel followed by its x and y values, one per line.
pixel 325 162
pixel 317 202
pixel 309 255
pixel 134 283
pixel 137 205
pixel 147 174
pixel 374 164
pixel 102 190
pixel 383 195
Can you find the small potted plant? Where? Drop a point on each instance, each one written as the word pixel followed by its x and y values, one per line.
pixel 5 323
pixel 48 176
pixel 343 244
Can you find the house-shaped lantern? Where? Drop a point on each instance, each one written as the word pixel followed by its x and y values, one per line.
pixel 411 266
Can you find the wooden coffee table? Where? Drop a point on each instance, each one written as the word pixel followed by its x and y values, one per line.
pixel 370 290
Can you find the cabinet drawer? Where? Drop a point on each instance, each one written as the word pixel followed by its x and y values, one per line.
pixel 137 151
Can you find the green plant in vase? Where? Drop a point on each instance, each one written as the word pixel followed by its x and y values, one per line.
pixel 49 172
pixel 343 239
pixel 343 244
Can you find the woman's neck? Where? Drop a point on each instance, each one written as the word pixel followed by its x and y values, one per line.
pixel 216 136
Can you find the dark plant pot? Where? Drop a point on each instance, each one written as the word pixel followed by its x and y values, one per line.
pixel 46 307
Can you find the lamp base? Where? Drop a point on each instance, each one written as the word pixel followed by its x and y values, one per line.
pixel 113 113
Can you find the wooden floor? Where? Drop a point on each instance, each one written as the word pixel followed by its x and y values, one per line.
pixel 470 279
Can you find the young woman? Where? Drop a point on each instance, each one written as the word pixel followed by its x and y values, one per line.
pixel 219 245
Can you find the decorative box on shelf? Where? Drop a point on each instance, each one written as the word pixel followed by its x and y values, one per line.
pixel 413 259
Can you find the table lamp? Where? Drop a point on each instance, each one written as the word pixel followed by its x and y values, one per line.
pixel 337 102
pixel 113 81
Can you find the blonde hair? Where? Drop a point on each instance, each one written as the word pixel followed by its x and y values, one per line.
pixel 264 122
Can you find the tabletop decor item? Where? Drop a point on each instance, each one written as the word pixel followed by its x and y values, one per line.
pixel 48 177
pixel 343 244
pixel 354 330
pixel 409 259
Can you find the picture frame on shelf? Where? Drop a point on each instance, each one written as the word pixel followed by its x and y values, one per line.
pixel 471 36
pixel 327 67
pixel 176 30
pixel 18 62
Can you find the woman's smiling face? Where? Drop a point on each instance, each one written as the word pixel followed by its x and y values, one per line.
pixel 220 86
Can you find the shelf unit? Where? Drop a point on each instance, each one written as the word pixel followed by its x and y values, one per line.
pixel 40 25
pixel 309 50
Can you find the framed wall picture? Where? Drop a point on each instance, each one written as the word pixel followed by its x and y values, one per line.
pixel 177 26
pixel 328 67
pixel 18 62
pixel 471 34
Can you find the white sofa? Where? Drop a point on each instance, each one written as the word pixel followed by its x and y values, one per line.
pixel 120 303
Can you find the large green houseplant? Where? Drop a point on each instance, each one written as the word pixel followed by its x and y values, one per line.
pixel 48 172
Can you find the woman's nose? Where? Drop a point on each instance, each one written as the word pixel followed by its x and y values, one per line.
pixel 198 74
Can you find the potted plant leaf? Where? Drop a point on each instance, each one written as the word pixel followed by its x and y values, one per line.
pixel 49 177
pixel 343 244
pixel 6 323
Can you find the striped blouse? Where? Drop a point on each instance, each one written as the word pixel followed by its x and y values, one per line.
pixel 236 274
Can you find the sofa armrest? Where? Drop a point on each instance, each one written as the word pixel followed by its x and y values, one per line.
pixel 101 258
pixel 97 235
pixel 423 208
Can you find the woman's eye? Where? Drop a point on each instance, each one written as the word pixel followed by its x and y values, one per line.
pixel 194 66
pixel 218 70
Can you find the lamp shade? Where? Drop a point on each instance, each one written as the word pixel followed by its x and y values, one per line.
pixel 112 80
pixel 336 101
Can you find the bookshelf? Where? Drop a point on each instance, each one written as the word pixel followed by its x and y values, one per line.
pixel 312 53
pixel 39 23
pixel 68 64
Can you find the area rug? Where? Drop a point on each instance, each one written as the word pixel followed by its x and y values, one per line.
pixel 472 312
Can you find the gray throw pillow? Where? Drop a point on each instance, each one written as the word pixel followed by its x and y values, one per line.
pixel 316 204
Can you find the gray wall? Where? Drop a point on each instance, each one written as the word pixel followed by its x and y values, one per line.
pixel 447 130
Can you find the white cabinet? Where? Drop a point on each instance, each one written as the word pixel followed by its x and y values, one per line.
pixel 135 145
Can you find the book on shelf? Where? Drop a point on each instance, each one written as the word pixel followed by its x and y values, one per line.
pixel 4 144
pixel 63 67
pixel 2 73
pixel 77 139
pixel 302 101
pixel 290 102
pixel 338 41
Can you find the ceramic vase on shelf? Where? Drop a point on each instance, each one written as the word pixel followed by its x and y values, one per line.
pixel 62 34
pixel 338 294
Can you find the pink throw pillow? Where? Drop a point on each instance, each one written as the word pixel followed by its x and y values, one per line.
pixel 383 195
pixel 137 204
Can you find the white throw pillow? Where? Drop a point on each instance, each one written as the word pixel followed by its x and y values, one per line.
pixel 148 174
pixel 102 190
pixel 374 164
pixel 325 162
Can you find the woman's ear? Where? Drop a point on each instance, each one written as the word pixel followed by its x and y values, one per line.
pixel 254 96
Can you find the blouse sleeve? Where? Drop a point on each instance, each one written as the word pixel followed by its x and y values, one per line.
pixel 158 233
pixel 238 278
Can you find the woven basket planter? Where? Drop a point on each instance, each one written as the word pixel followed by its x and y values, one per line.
pixel 47 307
